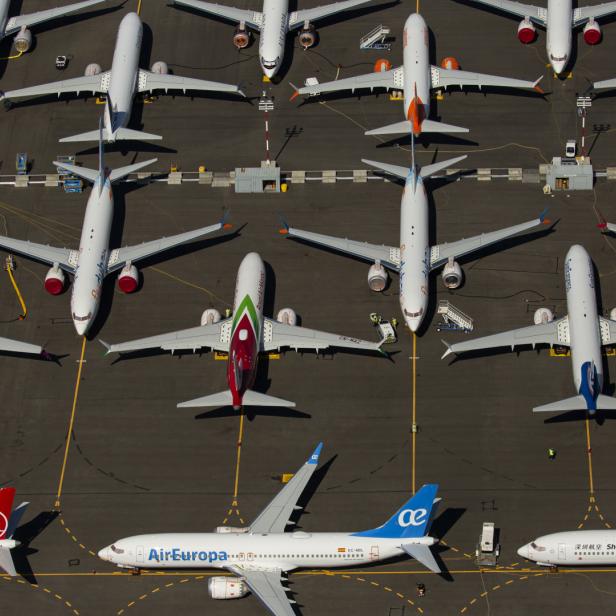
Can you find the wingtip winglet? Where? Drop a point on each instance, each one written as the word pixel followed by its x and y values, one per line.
pixel 536 87
pixel 542 216
pixel 106 345
pixel 296 93
pixel 284 225
pixel 448 351
pixel 314 458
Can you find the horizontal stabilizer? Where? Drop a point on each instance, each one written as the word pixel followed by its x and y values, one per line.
pixel 91 175
pixel 6 562
pixel 392 129
pixel 430 126
pixel 122 172
pixel 254 398
pixel 401 172
pixel 576 403
pixel 224 398
pixel 429 170
pixel 606 403
pixel 121 133
pixel 427 126
pixel 422 554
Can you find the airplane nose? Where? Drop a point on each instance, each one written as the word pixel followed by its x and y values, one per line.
pixel 523 551
pixel 413 324
pixel 269 72
pixel 81 327
pixel 558 66
pixel 104 554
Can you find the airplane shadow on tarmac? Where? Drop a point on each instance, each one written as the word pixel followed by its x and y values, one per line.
pixel 25 534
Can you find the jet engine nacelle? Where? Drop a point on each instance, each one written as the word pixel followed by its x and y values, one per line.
pixel 23 40
pixel 452 275
pixel 54 280
pixel 287 316
pixel 382 65
pixel 241 37
pixel 210 316
pixel 225 530
pixel 543 316
pixel 592 33
pixel 160 68
pixel 527 32
pixel 307 36
pixel 377 277
pixel 93 69
pixel 128 280
pixel 226 588
pixel 613 314
pixel 450 63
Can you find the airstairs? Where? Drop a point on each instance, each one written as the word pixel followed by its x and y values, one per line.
pixel 453 318
pixel 375 39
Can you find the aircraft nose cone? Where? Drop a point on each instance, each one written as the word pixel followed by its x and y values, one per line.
pixel 81 327
pixel 269 72
pixel 523 551
pixel 558 66
pixel 104 554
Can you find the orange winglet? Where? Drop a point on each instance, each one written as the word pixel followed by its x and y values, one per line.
pixel 227 225
pixel 602 225
pixel 294 95
pixel 538 89
pixel 547 221
pixel 283 231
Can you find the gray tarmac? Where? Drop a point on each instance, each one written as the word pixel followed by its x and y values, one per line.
pixel 138 464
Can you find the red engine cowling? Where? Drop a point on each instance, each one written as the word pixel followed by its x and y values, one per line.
pixel 382 65
pixel 241 37
pixel 307 35
pixel 54 281
pixel 128 280
pixel 592 33
pixel 527 32
pixel 450 63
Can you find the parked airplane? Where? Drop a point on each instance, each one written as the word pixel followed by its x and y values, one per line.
pixel 9 521
pixel 21 23
pixel 578 547
pixel 582 330
pixel 273 24
pixel 414 258
pixel 260 556
pixel 121 83
pixel 558 19
pixel 243 336
pixel 93 260
pixel 416 77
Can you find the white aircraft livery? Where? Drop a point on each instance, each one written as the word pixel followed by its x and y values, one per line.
pixel 559 19
pixel 583 330
pixel 413 258
pixel 93 261
pixel 9 521
pixel 260 556
pixel 121 83
pixel 19 24
pixel 244 335
pixel 577 547
pixel 273 24
pixel 416 77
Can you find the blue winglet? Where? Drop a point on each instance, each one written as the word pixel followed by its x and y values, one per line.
pixel 314 458
pixel 284 223
pixel 543 214
pixel 224 218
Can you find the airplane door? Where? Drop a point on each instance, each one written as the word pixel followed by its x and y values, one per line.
pixel 562 551
pixel 374 552
pixel 139 553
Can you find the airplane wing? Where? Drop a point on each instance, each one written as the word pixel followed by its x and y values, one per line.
pixel 600 85
pixel 297 18
pixel 148 82
pixel 387 255
pixel 441 253
pixel 444 77
pixel 16 23
pixel 275 517
pixel 385 79
pixel 215 336
pixel 536 14
pixel 267 587
pixel 96 84
pixel 119 257
pixel 607 327
pixel 582 14
pixel 15 346
pixel 555 332
pixel 279 335
pixel 64 257
pixel 253 19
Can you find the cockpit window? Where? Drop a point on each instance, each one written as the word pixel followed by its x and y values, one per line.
pixel 558 59
pixel 117 550
pixel 86 318
pixel 538 548
pixel 270 63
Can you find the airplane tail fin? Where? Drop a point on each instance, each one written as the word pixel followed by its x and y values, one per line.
pixel 119 134
pixel 9 521
pixel 225 398
pixel 406 126
pixel 7 496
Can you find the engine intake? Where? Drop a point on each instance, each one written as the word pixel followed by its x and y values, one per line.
pixel 23 40
pixel 93 69
pixel 450 63
pixel 128 280
pixel 288 316
pixel 241 37
pixel 160 68
pixel 527 32
pixel 452 275
pixel 54 280
pixel 226 588
pixel 543 316
pixel 225 530
pixel 307 35
pixel 377 277
pixel 382 65
pixel 592 33
pixel 210 316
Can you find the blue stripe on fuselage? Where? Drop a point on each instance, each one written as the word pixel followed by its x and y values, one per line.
pixel 588 386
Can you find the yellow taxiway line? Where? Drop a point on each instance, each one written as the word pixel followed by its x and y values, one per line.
pixel 413 430
pixel 591 484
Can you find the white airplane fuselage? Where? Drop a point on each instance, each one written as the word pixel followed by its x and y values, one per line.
pixel 93 257
pixel 286 551
pixel 416 66
pixel 584 332
pixel 559 33
pixel 578 547
pixel 414 252
pixel 273 35
pixel 124 74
